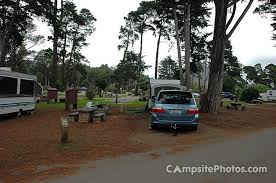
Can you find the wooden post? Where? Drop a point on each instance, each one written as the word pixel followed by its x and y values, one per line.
pixel 122 109
pixel 64 130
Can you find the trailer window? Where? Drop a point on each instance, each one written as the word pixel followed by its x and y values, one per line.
pixel 158 89
pixel 27 87
pixel 8 86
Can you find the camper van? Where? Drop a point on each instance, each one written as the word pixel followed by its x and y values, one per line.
pixel 18 92
pixel 156 85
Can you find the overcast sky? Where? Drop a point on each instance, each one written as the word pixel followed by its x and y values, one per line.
pixel 251 41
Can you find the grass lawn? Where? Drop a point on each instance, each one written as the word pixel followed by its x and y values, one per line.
pixel 228 103
pixel 82 102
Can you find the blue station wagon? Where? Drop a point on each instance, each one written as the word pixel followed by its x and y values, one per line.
pixel 175 109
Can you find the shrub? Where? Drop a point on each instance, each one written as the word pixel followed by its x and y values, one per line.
pixel 91 92
pixel 250 93
pixel 261 88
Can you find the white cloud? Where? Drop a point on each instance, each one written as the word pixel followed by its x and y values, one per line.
pixel 252 39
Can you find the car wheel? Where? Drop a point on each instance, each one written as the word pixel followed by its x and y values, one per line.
pixel 194 128
pixel 153 127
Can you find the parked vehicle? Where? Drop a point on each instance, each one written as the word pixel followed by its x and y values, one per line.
pixel 196 95
pixel 263 97
pixel 174 109
pixel 228 95
pixel 271 94
pixel 18 92
pixel 156 85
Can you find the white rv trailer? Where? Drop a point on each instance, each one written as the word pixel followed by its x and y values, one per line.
pixel 271 94
pixel 18 92
pixel 156 85
pixel 263 97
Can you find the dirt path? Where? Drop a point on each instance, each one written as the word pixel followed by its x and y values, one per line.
pixel 254 149
pixel 29 147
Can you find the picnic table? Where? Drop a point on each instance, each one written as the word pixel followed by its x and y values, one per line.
pixel 235 105
pixel 85 114
pixel 256 101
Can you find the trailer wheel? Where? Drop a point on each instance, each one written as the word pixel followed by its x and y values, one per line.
pixel 30 112
pixel 19 113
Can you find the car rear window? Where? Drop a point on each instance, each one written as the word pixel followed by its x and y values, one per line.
pixel 176 97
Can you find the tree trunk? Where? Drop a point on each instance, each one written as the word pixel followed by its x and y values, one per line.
pixel 141 50
pixel 125 52
pixel 205 75
pixel 63 61
pixel 64 47
pixel 55 49
pixel 211 102
pixel 1 47
pixel 187 45
pixel 178 47
pixel 140 61
pixel 157 53
pixel 4 50
pixel 72 52
pixel 199 84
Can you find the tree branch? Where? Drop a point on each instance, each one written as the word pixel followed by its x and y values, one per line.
pixel 240 19
pixel 232 16
pixel 232 3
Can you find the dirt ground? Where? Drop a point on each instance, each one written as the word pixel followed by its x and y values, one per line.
pixel 30 148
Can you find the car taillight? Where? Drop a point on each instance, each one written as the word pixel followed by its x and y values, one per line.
pixel 157 110
pixel 192 111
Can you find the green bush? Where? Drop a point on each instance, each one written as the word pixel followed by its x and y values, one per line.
pixel 249 93
pixel 261 88
pixel 91 92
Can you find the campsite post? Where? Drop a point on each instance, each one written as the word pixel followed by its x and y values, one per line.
pixel 64 130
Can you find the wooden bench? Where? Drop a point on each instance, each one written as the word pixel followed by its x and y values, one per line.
pixel 74 117
pixel 106 109
pixel 100 116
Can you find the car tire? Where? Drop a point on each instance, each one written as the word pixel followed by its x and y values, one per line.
pixel 153 127
pixel 194 128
